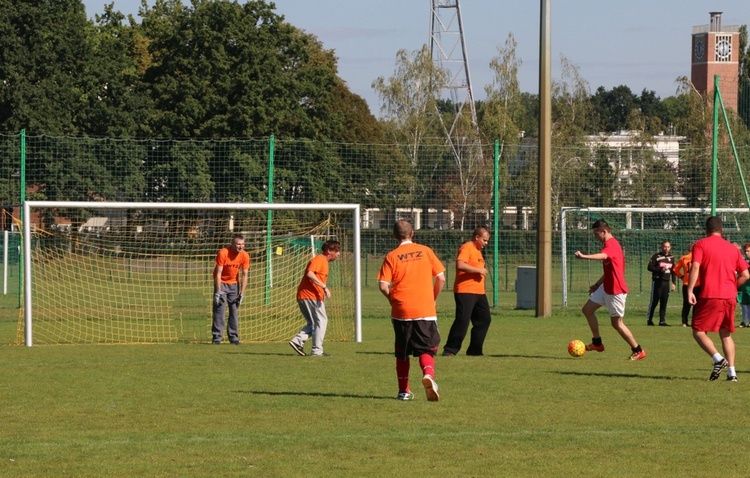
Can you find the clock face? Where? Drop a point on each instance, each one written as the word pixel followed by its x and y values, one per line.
pixel 723 49
pixel 700 49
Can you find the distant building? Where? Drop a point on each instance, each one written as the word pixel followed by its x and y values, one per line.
pixel 716 51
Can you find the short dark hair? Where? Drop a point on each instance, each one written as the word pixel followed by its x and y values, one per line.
pixel 238 236
pixel 402 230
pixel 714 224
pixel 331 245
pixel 600 225
pixel 480 230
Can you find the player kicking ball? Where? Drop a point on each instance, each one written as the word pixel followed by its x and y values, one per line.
pixel 610 290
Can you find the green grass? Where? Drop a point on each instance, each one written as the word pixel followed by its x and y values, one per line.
pixel 524 409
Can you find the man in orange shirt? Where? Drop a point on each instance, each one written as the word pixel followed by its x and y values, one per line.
pixel 311 294
pixel 470 297
pixel 230 261
pixel 682 270
pixel 411 278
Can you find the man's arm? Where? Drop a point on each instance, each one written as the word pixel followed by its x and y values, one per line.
pixel 438 286
pixel 599 256
pixel 217 278
pixel 385 289
pixel 742 278
pixel 652 265
pixel 243 283
pixel 693 278
pixel 464 267
pixel 314 279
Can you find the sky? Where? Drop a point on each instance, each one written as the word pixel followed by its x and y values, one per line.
pixel 642 44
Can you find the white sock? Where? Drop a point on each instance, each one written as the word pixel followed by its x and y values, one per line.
pixel 731 372
pixel 717 357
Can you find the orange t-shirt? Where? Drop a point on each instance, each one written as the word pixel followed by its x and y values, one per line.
pixel 410 269
pixel 231 264
pixel 469 282
pixel 682 269
pixel 309 290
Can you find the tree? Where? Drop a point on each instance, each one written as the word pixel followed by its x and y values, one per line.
pixel 613 108
pixel 44 58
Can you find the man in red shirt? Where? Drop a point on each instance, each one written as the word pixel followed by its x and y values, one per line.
pixel 721 270
pixel 470 297
pixel 411 278
pixel 311 295
pixel 230 262
pixel 610 290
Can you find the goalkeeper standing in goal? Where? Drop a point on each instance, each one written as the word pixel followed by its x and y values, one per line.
pixel 311 295
pixel 610 290
pixel 230 282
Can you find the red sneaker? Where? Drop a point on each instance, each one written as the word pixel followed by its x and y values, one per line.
pixel 638 355
pixel 598 348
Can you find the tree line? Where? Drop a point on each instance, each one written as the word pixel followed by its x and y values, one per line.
pixel 229 70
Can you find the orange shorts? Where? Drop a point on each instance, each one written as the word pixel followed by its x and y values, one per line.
pixel 710 315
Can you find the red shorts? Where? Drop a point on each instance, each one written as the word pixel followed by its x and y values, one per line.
pixel 710 315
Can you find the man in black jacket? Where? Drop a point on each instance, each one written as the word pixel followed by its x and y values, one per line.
pixel 662 282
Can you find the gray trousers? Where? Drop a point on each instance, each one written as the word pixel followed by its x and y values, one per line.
pixel 314 312
pixel 231 292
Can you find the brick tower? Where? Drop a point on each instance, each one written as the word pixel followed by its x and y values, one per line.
pixel 716 51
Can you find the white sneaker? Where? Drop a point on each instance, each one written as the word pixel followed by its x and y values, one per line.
pixel 430 388
pixel 405 396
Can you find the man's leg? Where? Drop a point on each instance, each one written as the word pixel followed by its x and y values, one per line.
pixel 652 303
pixel 480 324
pixel 299 340
pixel 232 323
pixel 727 344
pixel 663 299
pixel 319 325
pixel 685 305
pixel 464 305
pixel 217 323
pixel 624 331
pixel 589 311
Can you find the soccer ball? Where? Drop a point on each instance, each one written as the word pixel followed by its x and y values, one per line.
pixel 576 348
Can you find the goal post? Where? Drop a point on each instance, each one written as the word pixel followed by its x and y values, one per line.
pixel 640 230
pixel 124 272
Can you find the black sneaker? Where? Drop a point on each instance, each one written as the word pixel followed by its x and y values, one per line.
pixel 731 378
pixel 663 324
pixel 447 354
pixel 297 348
pixel 718 367
pixel 217 342
pixel 235 342
pixel 650 322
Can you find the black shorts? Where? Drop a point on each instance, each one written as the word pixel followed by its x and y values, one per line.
pixel 415 337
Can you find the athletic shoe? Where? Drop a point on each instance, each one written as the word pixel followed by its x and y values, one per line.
pixel 430 388
pixel 235 342
pixel 731 378
pixel 297 348
pixel 598 348
pixel 638 355
pixel 650 322
pixel 405 396
pixel 663 324
pixel 324 354
pixel 217 342
pixel 684 324
pixel 718 367
pixel 447 354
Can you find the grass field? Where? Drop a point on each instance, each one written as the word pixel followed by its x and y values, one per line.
pixel 524 409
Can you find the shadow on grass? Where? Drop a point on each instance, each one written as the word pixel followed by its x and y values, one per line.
pixel 624 375
pixel 315 394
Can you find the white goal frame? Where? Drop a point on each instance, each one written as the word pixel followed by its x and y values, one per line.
pixel 29 205
pixel 563 237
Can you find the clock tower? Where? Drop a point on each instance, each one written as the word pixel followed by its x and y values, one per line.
pixel 716 51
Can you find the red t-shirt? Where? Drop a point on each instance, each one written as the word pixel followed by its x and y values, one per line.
pixel 614 268
pixel 720 263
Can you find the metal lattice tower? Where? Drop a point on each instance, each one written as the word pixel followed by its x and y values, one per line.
pixel 448 51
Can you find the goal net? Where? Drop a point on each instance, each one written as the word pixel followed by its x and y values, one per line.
pixel 641 232
pixel 126 273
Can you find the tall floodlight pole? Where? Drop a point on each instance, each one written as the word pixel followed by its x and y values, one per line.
pixel 544 205
pixel 449 53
